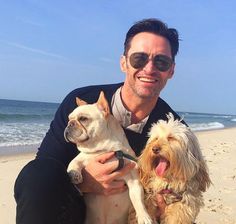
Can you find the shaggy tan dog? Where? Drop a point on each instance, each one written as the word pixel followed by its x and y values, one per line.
pixel 172 165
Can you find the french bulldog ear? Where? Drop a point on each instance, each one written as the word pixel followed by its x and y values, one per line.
pixel 80 102
pixel 103 104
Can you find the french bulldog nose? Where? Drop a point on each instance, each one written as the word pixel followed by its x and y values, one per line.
pixel 72 123
pixel 156 150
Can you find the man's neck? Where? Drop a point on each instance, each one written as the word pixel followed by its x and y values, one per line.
pixel 139 107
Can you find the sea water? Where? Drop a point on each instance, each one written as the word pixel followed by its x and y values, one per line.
pixel 26 123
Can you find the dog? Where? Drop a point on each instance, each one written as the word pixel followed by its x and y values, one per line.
pixel 172 165
pixel 95 131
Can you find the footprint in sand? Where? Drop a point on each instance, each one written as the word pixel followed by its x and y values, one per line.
pixel 227 190
pixel 230 177
pixel 215 206
pixel 227 221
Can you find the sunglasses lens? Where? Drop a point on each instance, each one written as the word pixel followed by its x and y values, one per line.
pixel 162 62
pixel 138 60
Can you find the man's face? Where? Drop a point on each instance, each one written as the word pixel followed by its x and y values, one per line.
pixel 148 81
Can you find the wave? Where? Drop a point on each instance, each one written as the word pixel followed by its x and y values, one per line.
pixel 206 126
pixel 234 119
pixel 22 133
pixel 20 143
pixel 222 116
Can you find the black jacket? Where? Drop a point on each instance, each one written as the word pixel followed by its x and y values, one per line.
pixel 54 144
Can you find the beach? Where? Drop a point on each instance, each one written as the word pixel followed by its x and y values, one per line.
pixel 10 166
pixel 218 148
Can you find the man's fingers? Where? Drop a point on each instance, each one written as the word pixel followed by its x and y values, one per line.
pixel 110 166
pixel 119 173
pixel 104 157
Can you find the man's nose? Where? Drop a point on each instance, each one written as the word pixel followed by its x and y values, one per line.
pixel 149 67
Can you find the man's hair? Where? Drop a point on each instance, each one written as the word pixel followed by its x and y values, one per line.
pixel 153 26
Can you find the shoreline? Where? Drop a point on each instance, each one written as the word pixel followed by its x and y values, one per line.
pixel 14 150
pixel 215 129
pixel 218 148
pixel 11 151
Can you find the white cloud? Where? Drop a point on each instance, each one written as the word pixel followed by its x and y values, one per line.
pixel 35 50
pixel 30 22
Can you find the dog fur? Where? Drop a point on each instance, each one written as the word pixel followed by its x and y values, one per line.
pixel 172 164
pixel 95 131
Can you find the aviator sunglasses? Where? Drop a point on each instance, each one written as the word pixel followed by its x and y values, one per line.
pixel 161 62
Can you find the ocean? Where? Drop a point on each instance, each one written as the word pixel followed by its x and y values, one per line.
pixel 26 123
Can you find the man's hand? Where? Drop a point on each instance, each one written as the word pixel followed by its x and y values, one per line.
pixel 99 178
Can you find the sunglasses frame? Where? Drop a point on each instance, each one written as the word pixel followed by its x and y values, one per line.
pixel 156 60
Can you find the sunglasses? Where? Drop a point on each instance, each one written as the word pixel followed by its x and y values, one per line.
pixel 140 59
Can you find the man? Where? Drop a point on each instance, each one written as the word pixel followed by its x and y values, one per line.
pixel 43 191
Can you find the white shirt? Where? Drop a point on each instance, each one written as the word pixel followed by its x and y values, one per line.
pixel 123 115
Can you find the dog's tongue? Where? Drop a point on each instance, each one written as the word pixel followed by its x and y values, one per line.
pixel 161 167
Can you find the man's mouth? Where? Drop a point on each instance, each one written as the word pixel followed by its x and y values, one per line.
pixel 147 79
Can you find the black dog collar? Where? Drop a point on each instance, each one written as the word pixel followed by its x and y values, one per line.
pixel 120 155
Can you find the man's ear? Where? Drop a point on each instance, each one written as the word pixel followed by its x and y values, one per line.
pixel 172 71
pixel 80 102
pixel 103 104
pixel 123 64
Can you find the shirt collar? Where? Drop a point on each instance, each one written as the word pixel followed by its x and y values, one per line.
pixel 123 115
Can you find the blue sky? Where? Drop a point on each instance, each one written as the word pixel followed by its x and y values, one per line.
pixel 48 48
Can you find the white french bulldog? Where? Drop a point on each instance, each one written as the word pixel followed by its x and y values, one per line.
pixel 95 131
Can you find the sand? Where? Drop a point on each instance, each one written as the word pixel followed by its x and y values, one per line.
pixel 10 166
pixel 219 150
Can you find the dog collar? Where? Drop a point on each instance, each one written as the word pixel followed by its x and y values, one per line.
pixel 120 155
pixel 170 196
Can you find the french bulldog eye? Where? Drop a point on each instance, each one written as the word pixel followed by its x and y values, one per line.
pixel 82 118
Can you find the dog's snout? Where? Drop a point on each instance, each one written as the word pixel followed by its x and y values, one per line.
pixel 72 123
pixel 156 150
pixel 69 129
pixel 66 135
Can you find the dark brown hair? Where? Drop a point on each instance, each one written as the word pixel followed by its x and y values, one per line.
pixel 153 26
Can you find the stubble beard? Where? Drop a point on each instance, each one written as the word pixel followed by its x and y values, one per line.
pixel 139 91
pixel 145 93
